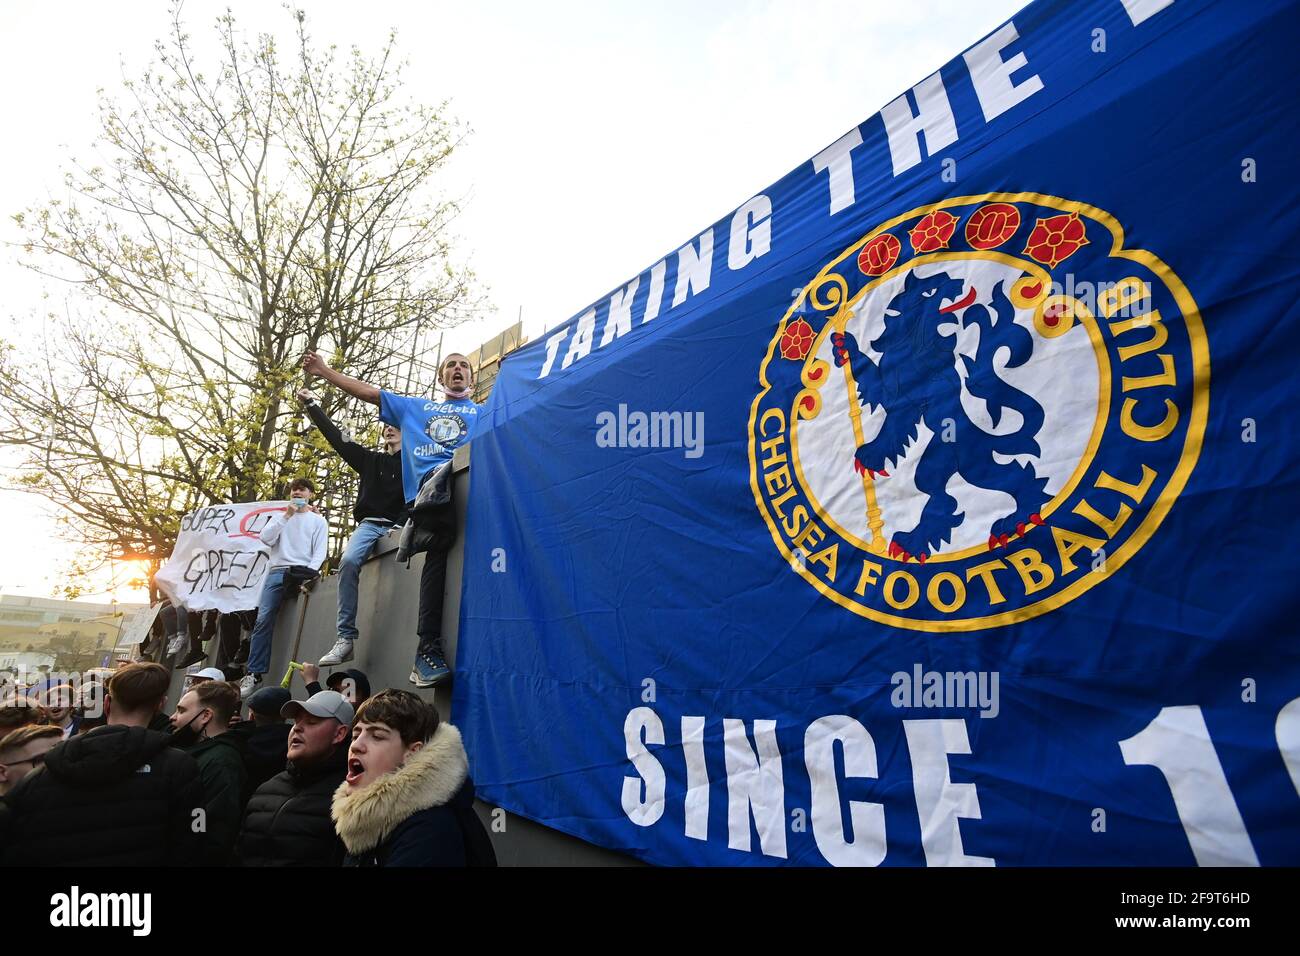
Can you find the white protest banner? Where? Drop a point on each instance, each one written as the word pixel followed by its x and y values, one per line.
pixel 135 628
pixel 219 560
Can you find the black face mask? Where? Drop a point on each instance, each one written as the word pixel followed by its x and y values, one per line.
pixel 186 736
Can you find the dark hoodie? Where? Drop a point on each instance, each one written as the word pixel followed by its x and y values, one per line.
pixel 116 796
pixel 221 770
pixel 264 747
pixel 379 494
pixel 360 685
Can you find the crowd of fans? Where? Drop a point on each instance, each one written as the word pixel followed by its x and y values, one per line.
pixel 101 775
pixel 333 779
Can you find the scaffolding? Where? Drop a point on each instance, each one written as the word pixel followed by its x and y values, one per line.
pixel 486 359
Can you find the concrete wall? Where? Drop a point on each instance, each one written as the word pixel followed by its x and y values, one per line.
pixel 386 617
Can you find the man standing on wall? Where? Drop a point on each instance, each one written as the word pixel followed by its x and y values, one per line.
pixel 381 504
pixel 431 432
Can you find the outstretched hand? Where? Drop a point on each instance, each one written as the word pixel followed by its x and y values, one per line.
pixel 313 364
pixel 307 395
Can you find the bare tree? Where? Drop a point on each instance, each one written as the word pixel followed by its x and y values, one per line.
pixel 234 217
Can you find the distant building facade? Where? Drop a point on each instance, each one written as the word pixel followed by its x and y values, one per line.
pixel 73 635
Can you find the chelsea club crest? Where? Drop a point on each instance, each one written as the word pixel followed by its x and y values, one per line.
pixel 977 412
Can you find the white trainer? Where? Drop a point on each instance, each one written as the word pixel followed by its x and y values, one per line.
pixel 340 653
pixel 248 684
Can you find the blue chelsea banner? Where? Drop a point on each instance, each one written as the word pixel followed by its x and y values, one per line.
pixel 935 506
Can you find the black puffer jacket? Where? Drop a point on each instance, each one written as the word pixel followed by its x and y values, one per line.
pixel 117 796
pixel 288 823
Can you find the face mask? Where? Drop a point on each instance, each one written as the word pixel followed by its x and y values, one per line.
pixel 186 736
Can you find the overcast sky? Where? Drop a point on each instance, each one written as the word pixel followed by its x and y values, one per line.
pixel 604 134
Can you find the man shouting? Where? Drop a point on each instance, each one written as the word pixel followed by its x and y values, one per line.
pixel 431 432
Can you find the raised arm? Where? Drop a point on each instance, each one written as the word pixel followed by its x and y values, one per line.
pixel 270 533
pixel 313 364
pixel 349 451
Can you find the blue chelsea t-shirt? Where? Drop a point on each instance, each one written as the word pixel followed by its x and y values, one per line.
pixel 430 432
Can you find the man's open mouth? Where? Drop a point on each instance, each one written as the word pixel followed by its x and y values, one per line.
pixel 355 769
pixel 961 303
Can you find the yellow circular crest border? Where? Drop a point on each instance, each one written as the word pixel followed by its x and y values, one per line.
pixel 1155 516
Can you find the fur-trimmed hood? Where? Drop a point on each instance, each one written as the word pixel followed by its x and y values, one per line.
pixel 430 778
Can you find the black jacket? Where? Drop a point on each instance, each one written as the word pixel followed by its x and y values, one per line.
pixel 264 746
pixel 360 685
pixel 221 771
pixel 116 796
pixel 380 493
pixel 288 823
pixel 449 835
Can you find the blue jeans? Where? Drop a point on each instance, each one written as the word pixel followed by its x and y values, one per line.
pixel 358 549
pixel 259 654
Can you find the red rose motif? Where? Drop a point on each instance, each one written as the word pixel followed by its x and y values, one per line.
pixel 990 226
pixel 933 231
pixel 1056 238
pixel 796 340
pixel 879 255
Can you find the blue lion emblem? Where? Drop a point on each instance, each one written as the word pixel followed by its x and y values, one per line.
pixel 917 381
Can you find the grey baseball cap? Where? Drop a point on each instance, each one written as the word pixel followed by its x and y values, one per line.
pixel 328 703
